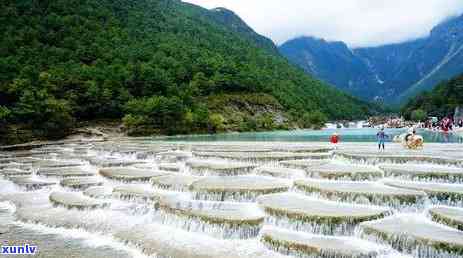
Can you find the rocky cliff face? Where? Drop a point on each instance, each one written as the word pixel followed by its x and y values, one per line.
pixel 391 72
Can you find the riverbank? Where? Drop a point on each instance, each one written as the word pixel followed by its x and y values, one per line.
pixel 18 135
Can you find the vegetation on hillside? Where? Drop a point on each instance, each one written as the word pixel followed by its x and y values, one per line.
pixel 153 63
pixel 440 102
pixel 233 22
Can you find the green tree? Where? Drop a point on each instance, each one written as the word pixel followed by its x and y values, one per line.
pixel 165 114
pixel 201 85
pixel 200 117
pixel 4 114
pixel 315 119
pixel 249 124
pixel 419 115
pixel 133 121
pixel 216 122
pixel 265 122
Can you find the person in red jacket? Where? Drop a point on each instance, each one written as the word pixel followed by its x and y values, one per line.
pixel 334 139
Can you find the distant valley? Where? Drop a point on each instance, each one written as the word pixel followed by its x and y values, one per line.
pixel 390 73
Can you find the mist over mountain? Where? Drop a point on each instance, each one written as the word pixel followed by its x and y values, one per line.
pixel 392 72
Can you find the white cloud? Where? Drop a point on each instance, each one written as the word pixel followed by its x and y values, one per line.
pixel 356 22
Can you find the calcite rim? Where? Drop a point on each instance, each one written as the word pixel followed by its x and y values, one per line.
pixel 443 218
pixel 267 238
pixel 390 238
pixel 58 202
pixel 332 194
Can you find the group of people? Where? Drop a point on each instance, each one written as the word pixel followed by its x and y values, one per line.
pixel 410 140
pixel 445 125
pixel 381 136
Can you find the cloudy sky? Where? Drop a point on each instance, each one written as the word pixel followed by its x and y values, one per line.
pixel 357 22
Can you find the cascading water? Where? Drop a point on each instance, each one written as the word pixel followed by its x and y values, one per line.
pixel 220 213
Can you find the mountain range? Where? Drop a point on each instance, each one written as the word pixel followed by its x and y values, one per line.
pixel 391 73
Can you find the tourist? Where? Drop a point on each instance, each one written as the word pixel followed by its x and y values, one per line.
pixel 446 125
pixel 410 134
pixel 445 128
pixel 334 139
pixel 381 136
pixel 428 124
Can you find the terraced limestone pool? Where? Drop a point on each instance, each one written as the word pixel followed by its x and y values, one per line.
pixel 138 197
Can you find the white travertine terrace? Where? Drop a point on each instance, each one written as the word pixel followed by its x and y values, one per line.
pixel 182 199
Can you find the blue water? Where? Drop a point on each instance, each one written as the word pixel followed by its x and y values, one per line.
pixel 347 135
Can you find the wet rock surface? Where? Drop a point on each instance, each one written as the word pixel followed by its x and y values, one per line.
pixel 366 191
pixel 174 182
pixel 297 243
pixel 450 216
pixel 281 172
pixel 418 231
pixel 98 191
pixel 440 190
pixel 339 171
pixel 142 197
pixel 171 242
pixel 135 191
pixel 303 164
pixel 219 168
pixel 130 174
pixel 75 200
pixel 56 164
pixel 15 172
pixel 113 162
pixel 305 208
pixel 214 212
pixel 65 172
pixel 262 156
pixel 31 182
pixel 424 171
pixel 169 167
pixel 228 187
pixel 81 182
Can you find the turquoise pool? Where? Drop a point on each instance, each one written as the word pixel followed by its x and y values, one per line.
pixel 347 135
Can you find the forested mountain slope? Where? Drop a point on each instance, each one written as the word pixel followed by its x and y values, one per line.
pixel 440 102
pixel 232 21
pixel 155 63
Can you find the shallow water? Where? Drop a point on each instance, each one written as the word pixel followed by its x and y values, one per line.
pixel 59 243
pixel 347 135
pixel 135 224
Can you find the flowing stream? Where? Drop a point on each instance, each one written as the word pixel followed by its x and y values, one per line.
pixel 181 198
